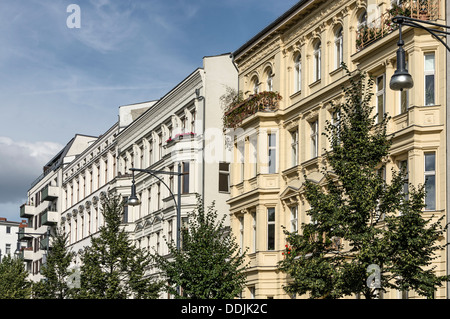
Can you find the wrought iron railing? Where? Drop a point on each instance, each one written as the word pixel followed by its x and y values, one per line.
pixel 426 10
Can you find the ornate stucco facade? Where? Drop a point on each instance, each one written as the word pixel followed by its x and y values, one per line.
pixel 299 56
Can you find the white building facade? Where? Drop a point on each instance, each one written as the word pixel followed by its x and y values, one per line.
pixel 9 243
pixel 183 129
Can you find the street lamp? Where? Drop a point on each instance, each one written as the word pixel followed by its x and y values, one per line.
pixel 402 80
pixel 133 200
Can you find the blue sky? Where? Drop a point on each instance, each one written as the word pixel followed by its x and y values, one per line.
pixel 57 81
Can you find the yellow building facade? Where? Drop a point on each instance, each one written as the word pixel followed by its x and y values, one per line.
pixel 298 58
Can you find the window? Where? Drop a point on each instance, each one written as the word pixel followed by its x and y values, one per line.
pixel 160 149
pixel 298 73
pixel 150 153
pixel 241 149
pixel 8 229
pixel 294 213
pixel 254 146
pixel 241 233
pixel 317 61
pixel 336 119
pixel 7 249
pixel 314 138
pixel 430 181
pixel 404 166
pixel 269 81
pixel 255 83
pixel 158 196
pixel 272 153
pixel 171 180
pixel 254 231
pixel 404 97
pixel 429 71
pixel 185 184
pixel 170 230
pixel 294 148
pixel 271 228
pixel 193 118
pixel 380 98
pixel 224 177
pixel 362 20
pixel 338 48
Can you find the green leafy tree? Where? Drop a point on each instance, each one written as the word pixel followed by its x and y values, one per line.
pixel 359 220
pixel 56 271
pixel 112 267
pixel 209 265
pixel 13 279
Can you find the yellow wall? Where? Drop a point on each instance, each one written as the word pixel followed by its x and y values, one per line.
pixel 417 131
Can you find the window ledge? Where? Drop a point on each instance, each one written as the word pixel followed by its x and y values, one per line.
pixel 315 83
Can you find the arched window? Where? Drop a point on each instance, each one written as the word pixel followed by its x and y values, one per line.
pixel 317 60
pixel 269 80
pixel 298 73
pixel 338 48
pixel 362 20
pixel 255 85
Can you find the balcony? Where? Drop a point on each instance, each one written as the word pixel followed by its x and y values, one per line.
pixel 426 10
pixel 259 102
pixel 47 243
pixel 24 233
pixel 50 193
pixel 26 253
pixel 26 211
pixel 49 217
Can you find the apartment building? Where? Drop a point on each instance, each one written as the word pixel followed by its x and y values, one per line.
pixel 9 243
pixel 182 131
pixel 291 71
pixel 44 206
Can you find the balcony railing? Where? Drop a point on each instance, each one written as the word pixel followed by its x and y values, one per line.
pixel 50 193
pixel 425 10
pixel 26 253
pixel 23 233
pixel 49 217
pixel 261 102
pixel 26 211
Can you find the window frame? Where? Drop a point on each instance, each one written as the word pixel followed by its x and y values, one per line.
pixel 271 229
pixel 429 173
pixel 380 93
pixel 426 73
pixel 338 47
pixel 317 54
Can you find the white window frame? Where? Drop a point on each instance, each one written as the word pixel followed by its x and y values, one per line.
pixel 294 148
pixel 271 224
pixel 294 218
pixel 317 60
pixel 272 149
pixel 298 73
pixel 428 72
pixel 314 138
pixel 254 231
pixel 381 92
pixel 339 47
pixel 427 174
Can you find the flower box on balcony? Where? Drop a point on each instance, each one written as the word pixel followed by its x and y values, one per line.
pixel 382 26
pixel 261 102
pixel 180 136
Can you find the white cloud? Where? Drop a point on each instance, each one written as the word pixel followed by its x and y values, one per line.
pixel 21 163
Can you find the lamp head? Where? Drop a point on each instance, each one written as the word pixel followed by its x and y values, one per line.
pixel 401 80
pixel 133 200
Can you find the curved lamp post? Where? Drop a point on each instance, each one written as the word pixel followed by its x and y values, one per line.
pixel 133 200
pixel 402 80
